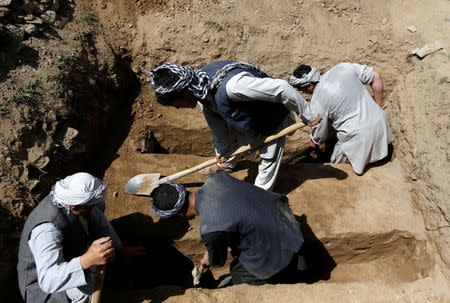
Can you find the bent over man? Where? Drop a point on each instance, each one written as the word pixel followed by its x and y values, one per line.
pixel 258 226
pixel 363 130
pixel 63 239
pixel 235 97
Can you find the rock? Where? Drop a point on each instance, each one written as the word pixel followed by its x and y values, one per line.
pixel 5 2
pixel 412 28
pixel 30 29
pixel 4 12
pixel 49 17
pixel 36 20
pixel 40 9
pixel 427 49
pixel 385 20
pixel 17 32
pixel 69 137
pixel 55 5
pixel 28 17
pixel 29 6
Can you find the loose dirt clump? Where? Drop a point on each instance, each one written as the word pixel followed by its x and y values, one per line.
pixel 75 97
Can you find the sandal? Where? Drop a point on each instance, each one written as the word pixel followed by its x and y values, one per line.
pixel 215 168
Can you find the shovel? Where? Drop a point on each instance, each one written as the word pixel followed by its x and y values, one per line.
pixel 144 184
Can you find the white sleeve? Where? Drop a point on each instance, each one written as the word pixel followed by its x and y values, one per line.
pixel 245 87
pixel 319 132
pixel 54 273
pixel 364 72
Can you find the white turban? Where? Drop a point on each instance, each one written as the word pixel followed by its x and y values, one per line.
pixel 78 189
pixel 312 77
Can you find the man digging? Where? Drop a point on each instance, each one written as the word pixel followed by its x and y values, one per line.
pixel 238 98
pixel 258 226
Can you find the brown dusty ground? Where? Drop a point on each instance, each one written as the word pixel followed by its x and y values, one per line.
pixel 387 231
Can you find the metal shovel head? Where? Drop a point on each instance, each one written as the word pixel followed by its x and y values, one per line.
pixel 143 184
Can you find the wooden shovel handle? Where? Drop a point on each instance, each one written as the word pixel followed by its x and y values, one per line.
pixel 238 151
pixel 98 283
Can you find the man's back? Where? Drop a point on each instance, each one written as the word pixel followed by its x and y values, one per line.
pixel 362 126
pixel 268 232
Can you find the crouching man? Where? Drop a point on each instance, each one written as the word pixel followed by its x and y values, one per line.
pixel 63 239
pixel 257 225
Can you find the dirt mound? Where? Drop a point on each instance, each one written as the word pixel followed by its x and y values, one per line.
pixel 76 97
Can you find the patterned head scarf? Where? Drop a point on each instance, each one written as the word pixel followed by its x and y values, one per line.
pixel 312 77
pixel 78 189
pixel 197 81
pixel 194 80
pixel 178 205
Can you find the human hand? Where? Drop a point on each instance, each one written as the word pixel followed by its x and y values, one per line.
pixel 312 145
pixel 100 252
pixel 221 159
pixel 316 121
pixel 205 260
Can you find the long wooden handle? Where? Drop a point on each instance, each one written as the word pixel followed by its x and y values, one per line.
pixel 98 283
pixel 238 151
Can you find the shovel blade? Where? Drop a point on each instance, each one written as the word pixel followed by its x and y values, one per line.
pixel 143 184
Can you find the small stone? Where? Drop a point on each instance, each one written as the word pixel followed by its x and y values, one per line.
pixel 70 137
pixel 28 17
pixel 55 5
pixel 17 32
pixel 36 20
pixel 206 40
pixel 340 41
pixel 30 29
pixel 40 9
pixel 130 25
pixel 5 2
pixel 412 28
pixel 49 17
pixel 115 194
pixel 385 20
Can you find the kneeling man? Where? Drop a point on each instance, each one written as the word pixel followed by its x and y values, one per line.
pixel 257 225
pixel 340 95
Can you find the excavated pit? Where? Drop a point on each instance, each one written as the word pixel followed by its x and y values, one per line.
pixel 370 233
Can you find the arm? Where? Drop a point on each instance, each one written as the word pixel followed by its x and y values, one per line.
pixel 220 132
pixel 217 249
pixel 367 75
pixel 246 87
pixel 54 273
pixel 377 88
pixel 319 132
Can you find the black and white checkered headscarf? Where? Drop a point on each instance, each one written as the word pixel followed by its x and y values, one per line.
pixel 197 81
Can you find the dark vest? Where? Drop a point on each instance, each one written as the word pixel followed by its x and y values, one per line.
pixel 269 234
pixel 254 117
pixel 75 242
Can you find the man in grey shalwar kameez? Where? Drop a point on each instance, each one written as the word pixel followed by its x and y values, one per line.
pixel 340 95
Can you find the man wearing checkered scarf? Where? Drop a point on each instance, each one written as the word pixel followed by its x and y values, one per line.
pixel 239 100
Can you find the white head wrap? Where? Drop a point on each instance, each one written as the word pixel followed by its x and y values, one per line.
pixel 312 77
pixel 78 189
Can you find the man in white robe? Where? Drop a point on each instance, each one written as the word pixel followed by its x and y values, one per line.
pixel 362 127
